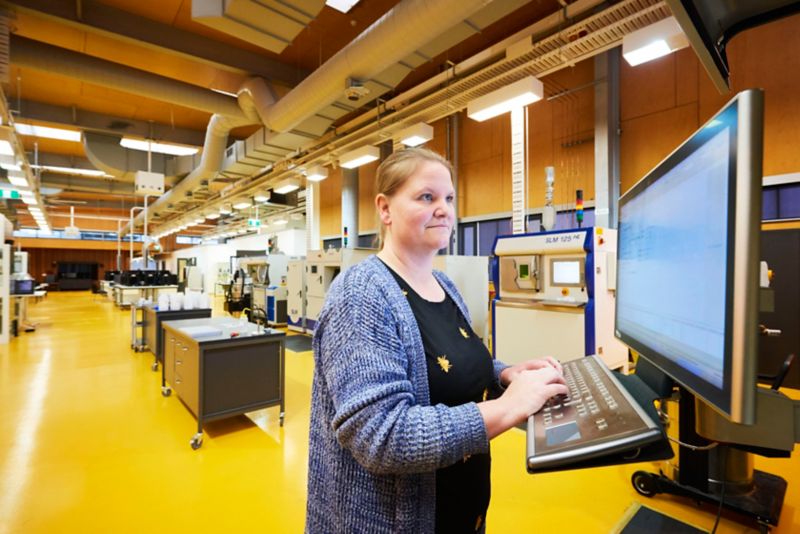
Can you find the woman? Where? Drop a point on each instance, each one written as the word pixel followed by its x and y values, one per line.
pixel 400 421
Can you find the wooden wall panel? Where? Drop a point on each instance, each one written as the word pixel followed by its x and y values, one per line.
pixel 484 161
pixel 330 204
pixel 43 261
pixel 648 139
pixel 767 57
pixel 561 134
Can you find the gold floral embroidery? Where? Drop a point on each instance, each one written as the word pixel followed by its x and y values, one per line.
pixel 463 332
pixel 405 293
pixel 444 363
pixel 485 394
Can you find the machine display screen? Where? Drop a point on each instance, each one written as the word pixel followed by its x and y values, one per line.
pixel 566 272
pixel 556 435
pixel 524 273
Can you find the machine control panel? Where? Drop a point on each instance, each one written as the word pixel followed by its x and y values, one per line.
pixel 558 279
pixel 597 417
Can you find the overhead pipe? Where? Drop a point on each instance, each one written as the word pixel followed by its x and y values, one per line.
pixel 384 43
pixel 546 25
pixel 387 41
pixel 210 164
pixel 42 56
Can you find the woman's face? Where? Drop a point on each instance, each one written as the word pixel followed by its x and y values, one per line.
pixel 420 215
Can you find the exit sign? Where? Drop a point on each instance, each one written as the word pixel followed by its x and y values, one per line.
pixel 9 193
pixel 254 222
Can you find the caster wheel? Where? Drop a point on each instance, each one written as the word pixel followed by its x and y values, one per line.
pixel 166 391
pixel 196 443
pixel 154 367
pixel 644 483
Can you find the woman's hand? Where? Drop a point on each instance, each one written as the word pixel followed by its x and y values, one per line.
pixel 510 373
pixel 527 392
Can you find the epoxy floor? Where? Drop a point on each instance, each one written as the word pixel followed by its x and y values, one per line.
pixel 89 445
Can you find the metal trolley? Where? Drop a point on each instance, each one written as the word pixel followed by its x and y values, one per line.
pixel 138 321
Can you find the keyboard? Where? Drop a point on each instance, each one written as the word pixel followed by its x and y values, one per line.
pixel 596 418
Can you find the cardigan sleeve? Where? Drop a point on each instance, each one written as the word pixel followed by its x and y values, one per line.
pixel 366 371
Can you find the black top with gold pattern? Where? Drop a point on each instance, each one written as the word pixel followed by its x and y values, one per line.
pixel 460 370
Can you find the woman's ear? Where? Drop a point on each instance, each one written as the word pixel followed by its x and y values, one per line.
pixel 382 207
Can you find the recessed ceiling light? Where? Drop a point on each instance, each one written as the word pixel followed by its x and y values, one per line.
pixel 47 132
pixel 161 148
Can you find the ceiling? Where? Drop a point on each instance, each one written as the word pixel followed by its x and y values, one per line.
pixel 154 69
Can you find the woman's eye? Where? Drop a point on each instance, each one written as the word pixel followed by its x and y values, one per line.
pixel 450 199
pixel 426 197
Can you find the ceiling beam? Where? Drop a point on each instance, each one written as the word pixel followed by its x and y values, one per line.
pixel 119 24
pixel 99 122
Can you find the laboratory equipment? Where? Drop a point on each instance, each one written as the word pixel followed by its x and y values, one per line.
pixel 322 267
pixel 555 296
pixel 296 295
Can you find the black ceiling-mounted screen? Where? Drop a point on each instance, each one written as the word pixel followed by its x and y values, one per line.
pixel 711 24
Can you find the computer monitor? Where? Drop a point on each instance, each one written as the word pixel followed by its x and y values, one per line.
pixel 688 251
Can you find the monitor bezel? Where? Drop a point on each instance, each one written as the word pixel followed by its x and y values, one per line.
pixel 736 399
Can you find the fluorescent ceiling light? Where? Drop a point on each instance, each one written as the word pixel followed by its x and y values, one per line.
pixel 243 205
pixel 514 95
pixel 287 186
pixel 200 220
pixel 26 193
pixel 11 166
pixel 30 200
pixel 261 197
pixel 72 170
pixel 417 134
pixel 359 157
pixel 225 209
pixel 47 132
pixel 18 181
pixel 5 148
pixel 341 5
pixel 653 41
pixel 280 221
pixel 161 148
pixel 317 173
pixel 212 216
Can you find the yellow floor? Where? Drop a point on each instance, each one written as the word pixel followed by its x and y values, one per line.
pixel 88 444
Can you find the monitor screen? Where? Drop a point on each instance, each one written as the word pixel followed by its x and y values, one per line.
pixel 566 272
pixel 687 286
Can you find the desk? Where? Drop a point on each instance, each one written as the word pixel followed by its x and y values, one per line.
pixel 153 333
pixel 222 376
pixel 126 295
pixel 20 312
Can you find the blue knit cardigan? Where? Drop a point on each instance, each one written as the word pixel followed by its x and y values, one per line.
pixel 375 441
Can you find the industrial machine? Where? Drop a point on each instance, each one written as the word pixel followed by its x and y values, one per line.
pixel 296 296
pixel 265 276
pixel 322 267
pixel 555 296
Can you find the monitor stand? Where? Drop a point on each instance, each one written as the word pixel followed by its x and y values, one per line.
pixel 722 473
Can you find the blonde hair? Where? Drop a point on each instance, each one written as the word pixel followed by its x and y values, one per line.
pixel 393 172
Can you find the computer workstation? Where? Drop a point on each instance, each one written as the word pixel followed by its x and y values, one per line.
pixel 687 301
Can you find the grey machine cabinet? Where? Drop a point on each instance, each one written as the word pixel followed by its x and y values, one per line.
pixel 154 334
pixel 223 376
